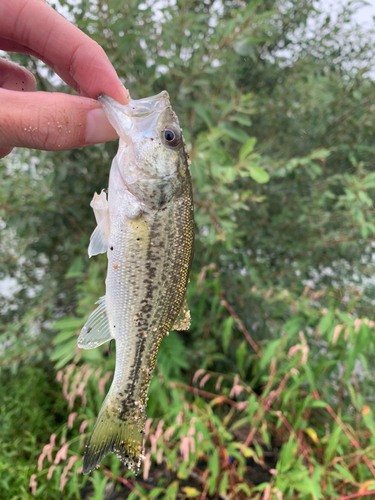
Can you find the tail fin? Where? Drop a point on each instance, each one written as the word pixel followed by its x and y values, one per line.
pixel 111 434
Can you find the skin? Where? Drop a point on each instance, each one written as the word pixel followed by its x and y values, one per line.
pixel 44 120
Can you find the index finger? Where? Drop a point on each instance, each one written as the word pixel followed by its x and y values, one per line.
pixel 74 56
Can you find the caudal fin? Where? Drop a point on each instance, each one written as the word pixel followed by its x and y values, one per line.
pixel 114 435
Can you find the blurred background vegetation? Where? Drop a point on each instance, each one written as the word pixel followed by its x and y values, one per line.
pixel 270 394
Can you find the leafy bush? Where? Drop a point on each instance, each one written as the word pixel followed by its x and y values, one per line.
pixel 270 393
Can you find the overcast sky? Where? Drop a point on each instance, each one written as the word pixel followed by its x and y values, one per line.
pixel 365 14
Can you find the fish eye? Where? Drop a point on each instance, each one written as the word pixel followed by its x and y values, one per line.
pixel 171 136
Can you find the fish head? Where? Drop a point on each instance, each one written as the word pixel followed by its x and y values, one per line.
pixel 151 158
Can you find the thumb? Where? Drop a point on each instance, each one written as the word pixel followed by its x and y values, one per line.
pixel 51 121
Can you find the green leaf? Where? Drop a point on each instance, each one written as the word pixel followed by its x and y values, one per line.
pixel 204 113
pixel 75 270
pixel 258 174
pixel 171 491
pixel 247 148
pixel 245 47
pixel 269 352
pixel 68 323
pixel 63 336
pixel 325 323
pixel 227 330
pixel 332 443
pixel 245 488
pixel 320 154
pixel 191 492
pixel 287 456
pixel 235 133
pixel 240 355
pixel 213 467
pixel 224 483
pixel 155 492
pixel 345 473
pixel 253 406
pixel 244 120
pixel 315 403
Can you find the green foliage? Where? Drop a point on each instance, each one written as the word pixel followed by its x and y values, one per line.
pixel 31 408
pixel 270 393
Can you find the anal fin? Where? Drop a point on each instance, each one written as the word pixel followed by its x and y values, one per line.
pixel 96 330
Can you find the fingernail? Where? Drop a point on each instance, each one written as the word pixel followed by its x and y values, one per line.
pixel 125 95
pixel 98 128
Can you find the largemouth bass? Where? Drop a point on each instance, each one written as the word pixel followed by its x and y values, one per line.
pixel 146 226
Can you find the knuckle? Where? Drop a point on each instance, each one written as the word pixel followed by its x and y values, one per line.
pixel 58 128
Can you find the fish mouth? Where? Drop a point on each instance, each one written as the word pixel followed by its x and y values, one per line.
pixel 140 114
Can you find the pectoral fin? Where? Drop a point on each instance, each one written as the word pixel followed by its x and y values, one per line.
pixel 100 237
pixel 96 330
pixel 99 204
pixel 182 322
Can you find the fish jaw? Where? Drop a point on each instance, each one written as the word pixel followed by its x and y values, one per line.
pixel 138 115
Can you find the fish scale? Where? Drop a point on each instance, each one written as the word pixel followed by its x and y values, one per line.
pixel 148 233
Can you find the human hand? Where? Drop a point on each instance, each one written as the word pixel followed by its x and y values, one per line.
pixel 45 120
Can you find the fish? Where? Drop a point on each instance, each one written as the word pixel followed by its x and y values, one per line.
pixel 146 226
